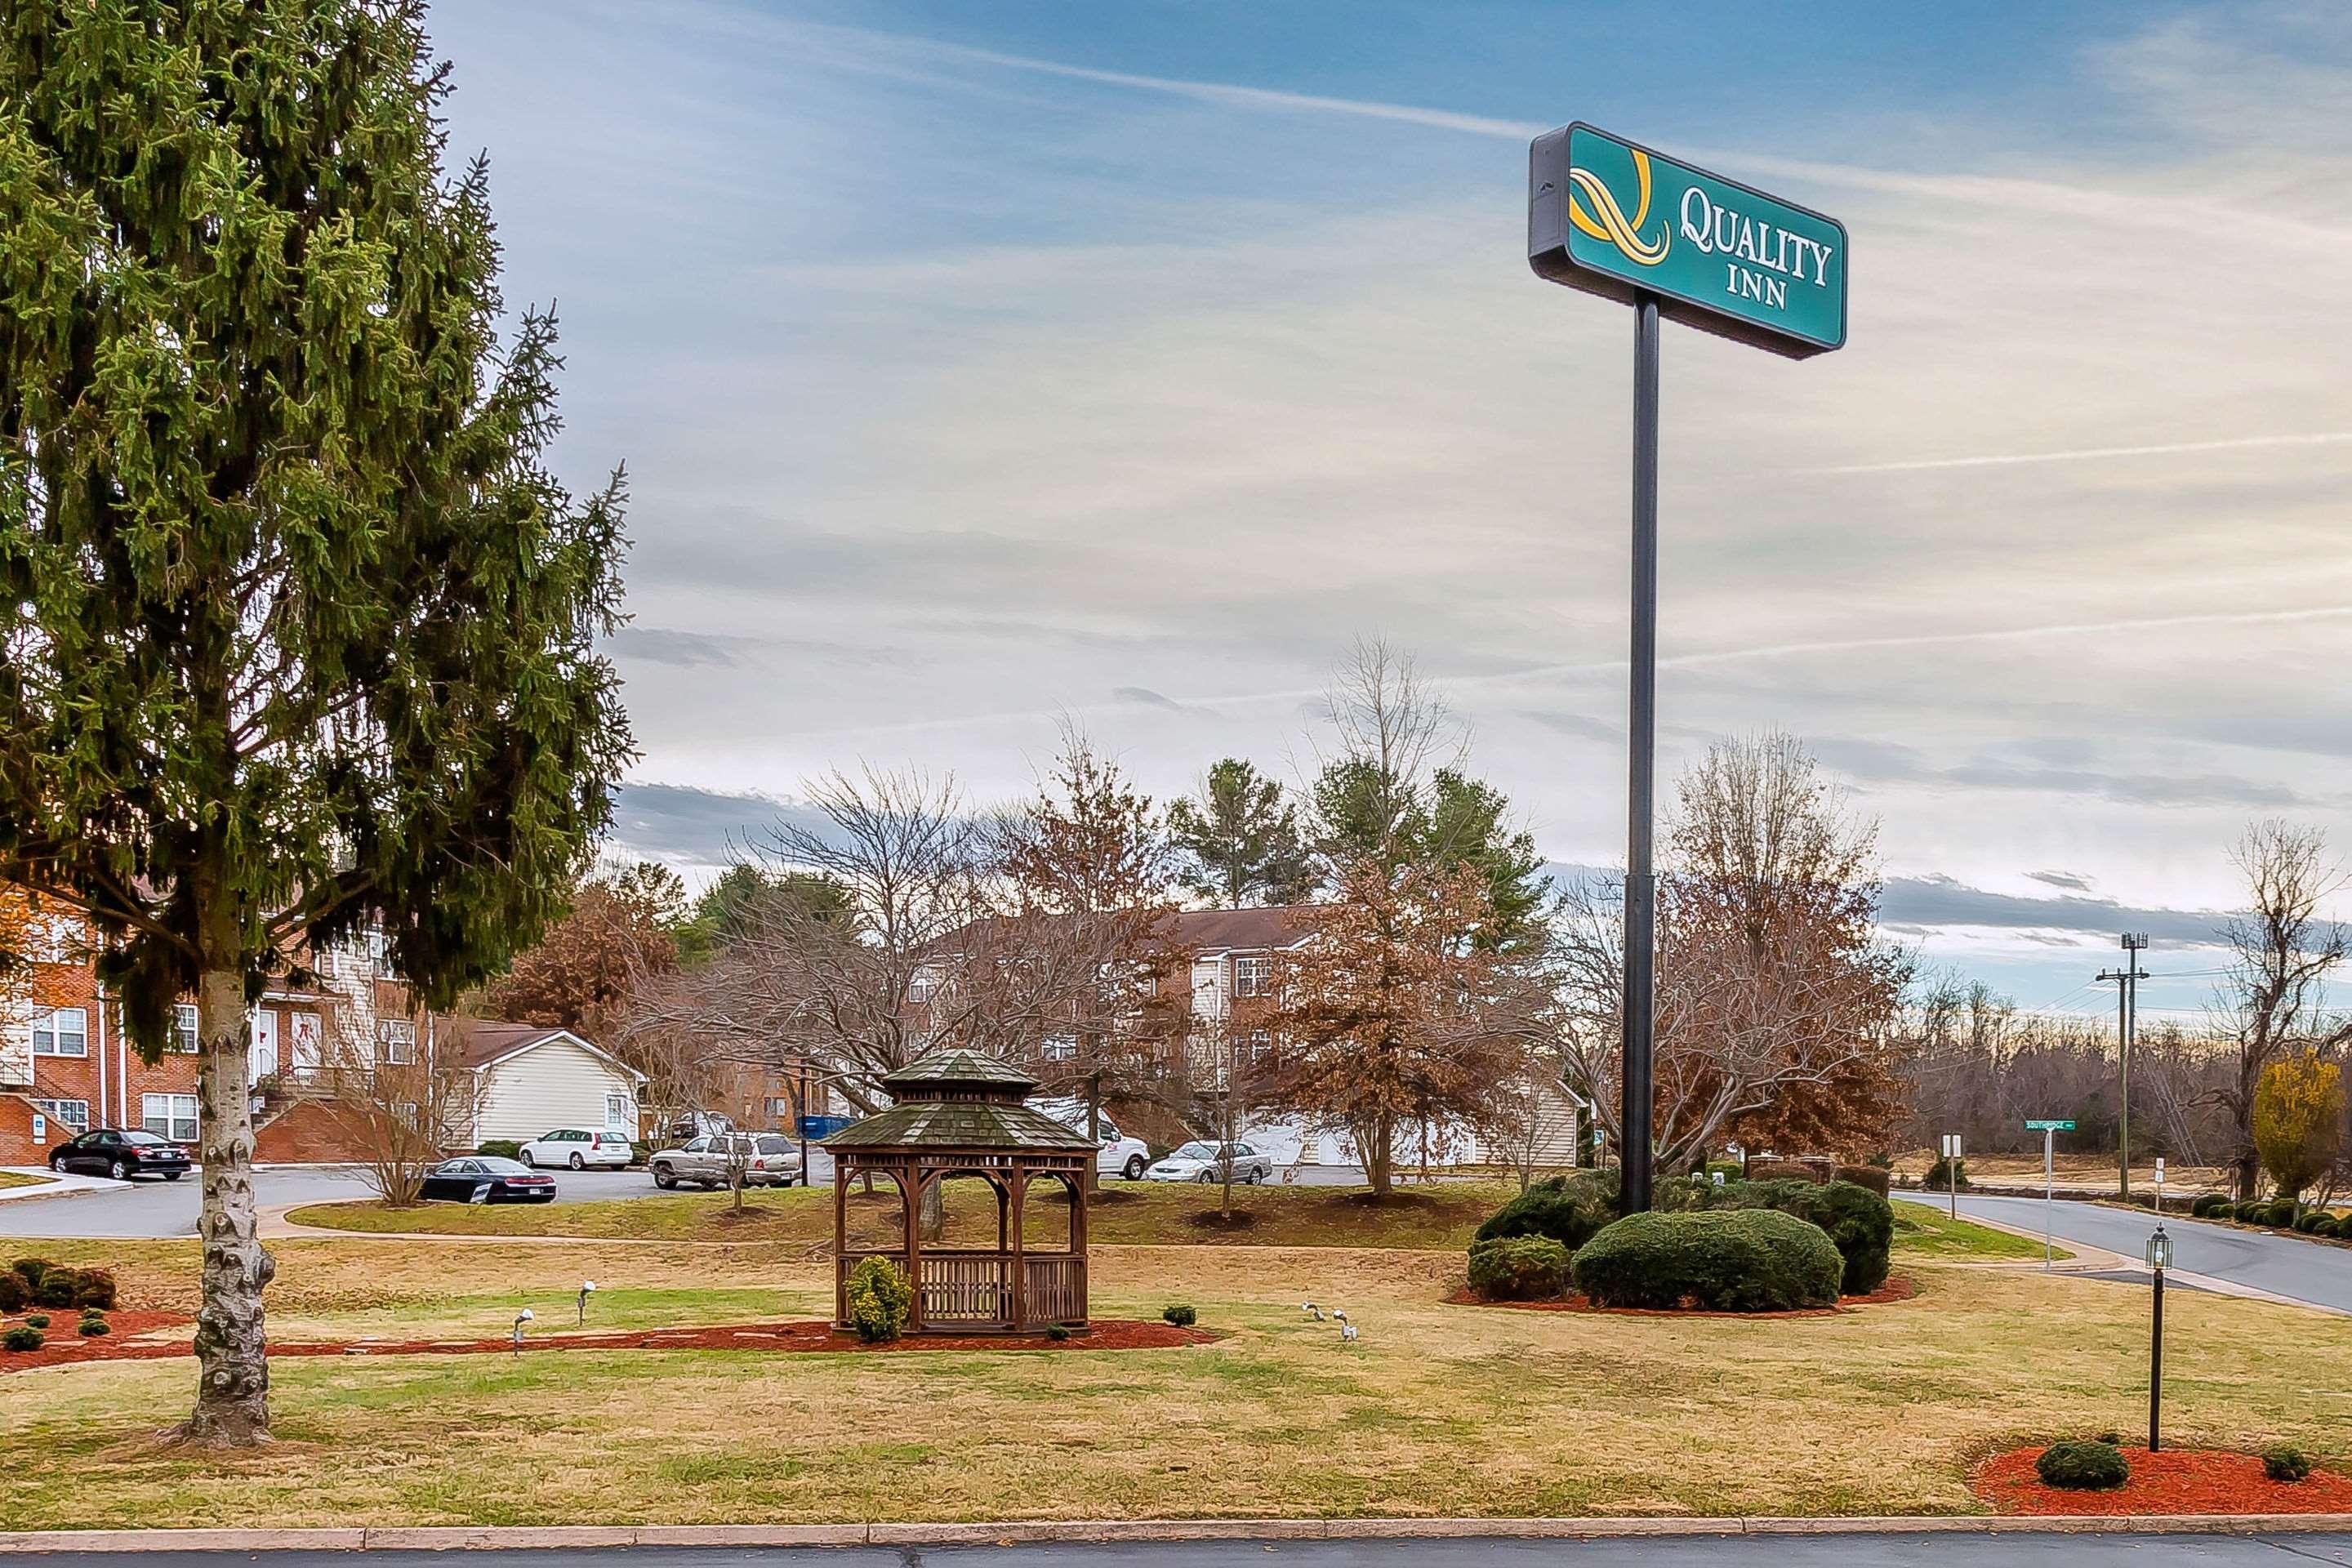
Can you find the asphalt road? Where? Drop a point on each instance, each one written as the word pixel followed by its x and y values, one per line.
pixel 150 1209
pixel 1894 1551
pixel 2301 1271
pixel 153 1208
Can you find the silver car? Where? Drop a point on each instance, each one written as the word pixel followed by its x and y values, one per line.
pixel 1202 1162
pixel 765 1160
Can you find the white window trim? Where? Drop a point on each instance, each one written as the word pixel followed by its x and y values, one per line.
pixel 171 1119
pixel 54 1110
pixel 183 1011
pixel 48 1024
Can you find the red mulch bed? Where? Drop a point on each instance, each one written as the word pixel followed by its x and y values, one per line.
pixel 2173 1480
pixel 65 1345
pixel 1107 1334
pixel 1896 1289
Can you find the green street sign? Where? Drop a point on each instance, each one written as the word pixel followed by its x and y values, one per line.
pixel 2050 1127
pixel 1618 219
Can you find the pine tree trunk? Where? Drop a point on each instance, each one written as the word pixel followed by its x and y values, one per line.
pixel 233 1368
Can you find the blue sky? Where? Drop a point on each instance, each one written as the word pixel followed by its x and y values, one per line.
pixel 981 364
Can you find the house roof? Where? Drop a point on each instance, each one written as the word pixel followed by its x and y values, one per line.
pixel 961 1124
pixel 1225 931
pixel 481 1044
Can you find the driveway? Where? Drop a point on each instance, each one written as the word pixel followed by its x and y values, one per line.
pixel 152 1209
pixel 2309 1272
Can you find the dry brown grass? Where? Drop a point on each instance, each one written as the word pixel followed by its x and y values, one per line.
pixel 1439 1410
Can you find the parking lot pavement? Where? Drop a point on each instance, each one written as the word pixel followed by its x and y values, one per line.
pixel 153 1208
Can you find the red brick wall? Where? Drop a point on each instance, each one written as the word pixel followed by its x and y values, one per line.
pixel 79 1078
pixel 306 1133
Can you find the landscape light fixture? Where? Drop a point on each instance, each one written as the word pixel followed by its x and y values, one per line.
pixel 2159 1258
pixel 520 1319
pixel 587 1288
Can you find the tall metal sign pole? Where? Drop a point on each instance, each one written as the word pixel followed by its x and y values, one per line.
pixel 1621 221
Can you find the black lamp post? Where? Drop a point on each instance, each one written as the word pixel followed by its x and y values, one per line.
pixel 2159 1255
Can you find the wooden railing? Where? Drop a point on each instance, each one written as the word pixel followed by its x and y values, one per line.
pixel 1057 1289
pixel 974 1289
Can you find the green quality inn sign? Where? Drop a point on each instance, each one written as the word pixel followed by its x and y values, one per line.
pixel 1618 219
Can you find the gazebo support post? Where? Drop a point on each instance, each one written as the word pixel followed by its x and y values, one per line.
pixel 912 1197
pixel 1020 1282
pixel 840 1239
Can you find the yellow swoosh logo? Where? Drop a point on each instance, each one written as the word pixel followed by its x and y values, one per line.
pixel 1612 225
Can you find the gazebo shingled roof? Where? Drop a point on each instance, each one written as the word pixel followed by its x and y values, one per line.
pixel 959 1113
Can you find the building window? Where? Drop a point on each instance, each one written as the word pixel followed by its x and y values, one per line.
pixel 616 1113
pixel 184 1028
pixel 1260 1045
pixel 64 1033
pixel 922 986
pixel 1253 976
pixel 397 1036
pixel 171 1116
pixel 1061 1047
pixel 73 1114
pixel 1208 988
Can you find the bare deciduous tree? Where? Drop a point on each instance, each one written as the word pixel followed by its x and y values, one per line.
pixel 405 1099
pixel 2275 999
pixel 1775 997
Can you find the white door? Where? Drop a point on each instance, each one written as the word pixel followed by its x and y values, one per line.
pixel 304 1027
pixel 264 1054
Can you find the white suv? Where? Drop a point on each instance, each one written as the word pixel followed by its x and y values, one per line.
pixel 577 1147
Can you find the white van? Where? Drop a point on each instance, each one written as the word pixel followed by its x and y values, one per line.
pixel 1121 1155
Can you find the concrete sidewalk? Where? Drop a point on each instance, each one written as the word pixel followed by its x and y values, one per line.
pixel 55 1183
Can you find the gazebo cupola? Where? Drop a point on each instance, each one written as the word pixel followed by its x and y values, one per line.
pixel 961 1113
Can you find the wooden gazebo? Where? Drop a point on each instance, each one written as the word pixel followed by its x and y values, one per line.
pixel 960 1112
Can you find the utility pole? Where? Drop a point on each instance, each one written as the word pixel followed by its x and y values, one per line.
pixel 2126 980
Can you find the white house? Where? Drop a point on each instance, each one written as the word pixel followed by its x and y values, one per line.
pixel 530 1079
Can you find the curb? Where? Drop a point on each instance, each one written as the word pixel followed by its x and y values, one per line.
pixel 437 1538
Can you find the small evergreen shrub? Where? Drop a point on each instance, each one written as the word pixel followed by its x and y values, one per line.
pixel 30 1270
pixel 93 1287
pixel 37 1320
pixel 2327 1227
pixel 2285 1462
pixel 2313 1219
pixel 503 1148
pixel 1736 1260
pixel 1180 1314
pixel 1945 1174
pixel 13 1297
pixel 1518 1268
pixel 2280 1214
pixel 2248 1213
pixel 2088 1466
pixel 881 1299
pixel 1057 1332
pixel 2210 1206
pixel 90 1328
pixel 1872 1178
pixel 23 1339
pixel 1858 1222
pixel 1569 1209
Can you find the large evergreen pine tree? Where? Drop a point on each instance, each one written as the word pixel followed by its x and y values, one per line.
pixel 296 628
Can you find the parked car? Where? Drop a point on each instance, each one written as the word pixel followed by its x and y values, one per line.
pixel 486 1179
pixel 1121 1155
pixel 121 1153
pixel 1199 1161
pixel 578 1147
pixel 768 1160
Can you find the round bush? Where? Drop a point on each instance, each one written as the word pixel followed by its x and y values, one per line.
pixel 1180 1314
pixel 1945 1173
pixel 2311 1220
pixel 881 1299
pixel 2285 1462
pixel 1518 1268
pixel 2248 1213
pixel 1569 1210
pixel 2088 1467
pixel 2210 1206
pixel 37 1320
pixel 2280 1214
pixel 90 1328
pixel 503 1148
pixel 2327 1227
pixel 1733 1261
pixel 1858 1222
pixel 23 1339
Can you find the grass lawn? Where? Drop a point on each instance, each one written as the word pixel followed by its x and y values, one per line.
pixel 1439 1410
pixel 1923 1232
pixel 1441 1215
pixel 23 1179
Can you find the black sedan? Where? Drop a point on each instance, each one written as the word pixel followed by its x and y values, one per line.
pixel 486 1179
pixel 121 1153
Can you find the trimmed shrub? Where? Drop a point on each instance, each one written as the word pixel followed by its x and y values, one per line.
pixel 30 1270
pixel 1057 1332
pixel 1518 1268
pixel 2280 1214
pixel 2210 1206
pixel 1871 1178
pixel 1804 1168
pixel 1568 1209
pixel 2285 1462
pixel 1734 1260
pixel 2327 1227
pixel 93 1287
pixel 1180 1314
pixel 23 1340
pixel 1945 1173
pixel 37 1320
pixel 2086 1466
pixel 2248 1213
pixel 13 1297
pixel 503 1148
pixel 90 1328
pixel 2313 1219
pixel 881 1299
pixel 1858 1222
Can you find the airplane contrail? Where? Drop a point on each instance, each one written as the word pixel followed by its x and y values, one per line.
pixel 2081 453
